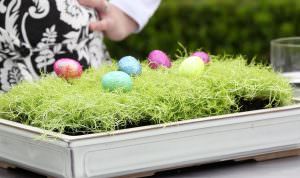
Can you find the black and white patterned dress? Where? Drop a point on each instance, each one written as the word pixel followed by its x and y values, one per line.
pixel 36 33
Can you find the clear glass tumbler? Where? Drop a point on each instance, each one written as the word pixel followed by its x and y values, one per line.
pixel 285 57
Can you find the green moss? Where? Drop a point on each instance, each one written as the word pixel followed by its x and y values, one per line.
pixel 81 106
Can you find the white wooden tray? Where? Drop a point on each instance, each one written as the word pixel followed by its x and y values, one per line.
pixel 151 148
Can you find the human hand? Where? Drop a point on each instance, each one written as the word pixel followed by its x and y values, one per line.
pixel 113 22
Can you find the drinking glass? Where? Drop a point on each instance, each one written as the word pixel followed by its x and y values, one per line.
pixel 285 57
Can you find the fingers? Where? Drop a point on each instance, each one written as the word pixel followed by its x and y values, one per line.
pixel 102 25
pixel 106 26
pixel 113 22
pixel 100 5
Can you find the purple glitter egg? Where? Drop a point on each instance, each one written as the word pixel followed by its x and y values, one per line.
pixel 158 58
pixel 204 56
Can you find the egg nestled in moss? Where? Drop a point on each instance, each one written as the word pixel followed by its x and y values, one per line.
pixel 191 66
pixel 67 68
pixel 158 58
pixel 203 55
pixel 130 65
pixel 117 80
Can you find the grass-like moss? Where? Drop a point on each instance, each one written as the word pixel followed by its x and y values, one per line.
pixel 81 106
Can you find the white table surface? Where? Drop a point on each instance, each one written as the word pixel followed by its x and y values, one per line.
pixel 278 168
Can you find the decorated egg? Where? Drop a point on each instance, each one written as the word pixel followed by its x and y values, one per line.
pixel 158 58
pixel 67 68
pixel 203 55
pixel 117 80
pixel 130 65
pixel 191 66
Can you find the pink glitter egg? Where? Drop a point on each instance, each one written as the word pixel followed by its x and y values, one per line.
pixel 158 58
pixel 203 55
pixel 67 68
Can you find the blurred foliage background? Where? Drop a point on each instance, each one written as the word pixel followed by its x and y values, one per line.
pixel 217 26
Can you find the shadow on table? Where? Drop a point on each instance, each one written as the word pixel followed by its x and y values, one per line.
pixel 198 169
pixel 18 173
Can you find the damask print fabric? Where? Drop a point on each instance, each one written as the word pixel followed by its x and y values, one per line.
pixel 36 33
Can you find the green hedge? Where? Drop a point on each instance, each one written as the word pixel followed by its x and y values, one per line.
pixel 231 26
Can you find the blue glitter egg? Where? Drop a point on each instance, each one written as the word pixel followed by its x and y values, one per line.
pixel 130 65
pixel 117 80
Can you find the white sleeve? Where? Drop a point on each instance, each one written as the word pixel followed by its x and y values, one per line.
pixel 139 10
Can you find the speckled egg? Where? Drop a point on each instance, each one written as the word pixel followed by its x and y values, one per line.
pixel 191 66
pixel 117 80
pixel 203 55
pixel 130 65
pixel 67 68
pixel 158 58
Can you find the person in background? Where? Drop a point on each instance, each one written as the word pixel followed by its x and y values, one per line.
pixel 36 33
